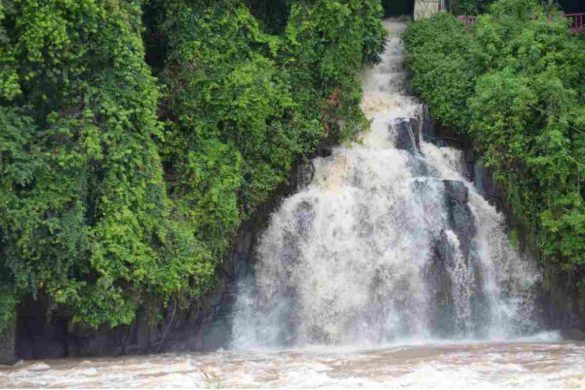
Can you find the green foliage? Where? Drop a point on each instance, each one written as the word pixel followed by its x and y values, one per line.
pixel 242 105
pixel 443 67
pixel 467 7
pixel 114 195
pixel 271 14
pixel 83 210
pixel 516 85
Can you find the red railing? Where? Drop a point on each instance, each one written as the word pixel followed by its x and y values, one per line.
pixel 468 20
pixel 577 21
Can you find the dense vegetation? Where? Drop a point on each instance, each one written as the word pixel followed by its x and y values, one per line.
pixel 515 83
pixel 123 183
pixel 467 7
pixel 474 7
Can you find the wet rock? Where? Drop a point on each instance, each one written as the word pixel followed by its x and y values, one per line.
pixel 486 187
pixel 573 334
pixel 304 175
pixel 324 151
pixel 82 341
pixel 462 223
pixel 425 125
pixel 456 191
pixel 406 136
pixel 560 299
pixel 461 220
pixel 241 255
pixel 40 335
pixel 439 288
pixel 8 345
pixel 144 334
pixel 418 166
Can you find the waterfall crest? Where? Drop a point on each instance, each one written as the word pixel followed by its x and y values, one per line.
pixel 388 242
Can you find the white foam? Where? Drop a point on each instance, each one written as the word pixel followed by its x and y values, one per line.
pixel 345 260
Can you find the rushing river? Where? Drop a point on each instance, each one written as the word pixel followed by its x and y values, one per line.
pixel 389 269
pixel 534 365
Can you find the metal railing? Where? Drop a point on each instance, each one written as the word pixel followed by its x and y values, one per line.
pixel 468 20
pixel 577 21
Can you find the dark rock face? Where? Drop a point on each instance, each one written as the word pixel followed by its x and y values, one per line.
pixel 461 220
pixel 37 335
pixel 425 125
pixel 559 299
pixel 462 223
pixel 41 337
pixel 456 192
pixel 573 334
pixel 440 289
pixel 406 135
pixel 483 181
pixel 8 345
pixel 305 174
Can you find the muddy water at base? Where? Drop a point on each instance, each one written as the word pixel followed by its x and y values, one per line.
pixel 534 365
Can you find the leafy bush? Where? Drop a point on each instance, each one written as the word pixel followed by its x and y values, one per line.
pixel 115 195
pixel 443 66
pixel 467 7
pixel 82 200
pixel 242 105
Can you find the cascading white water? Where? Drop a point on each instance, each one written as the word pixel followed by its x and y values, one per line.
pixel 388 242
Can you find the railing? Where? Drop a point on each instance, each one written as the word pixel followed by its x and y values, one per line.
pixel 468 20
pixel 577 21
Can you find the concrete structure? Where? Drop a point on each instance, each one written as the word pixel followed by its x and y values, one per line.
pixel 427 8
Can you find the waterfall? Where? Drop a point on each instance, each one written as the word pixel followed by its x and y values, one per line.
pixel 388 242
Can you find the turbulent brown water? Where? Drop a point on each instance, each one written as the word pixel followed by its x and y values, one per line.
pixel 388 270
pixel 534 365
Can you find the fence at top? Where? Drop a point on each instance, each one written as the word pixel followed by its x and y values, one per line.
pixel 577 21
